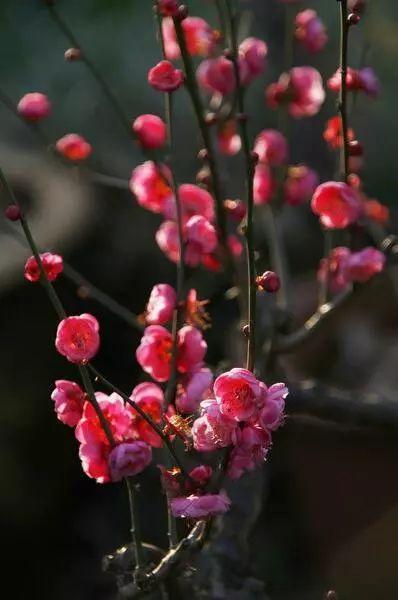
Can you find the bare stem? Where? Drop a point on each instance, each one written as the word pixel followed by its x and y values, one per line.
pixel 249 163
pixel 344 28
pixel 135 525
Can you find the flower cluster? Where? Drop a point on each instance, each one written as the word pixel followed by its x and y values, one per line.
pixel 242 413
pixel 129 451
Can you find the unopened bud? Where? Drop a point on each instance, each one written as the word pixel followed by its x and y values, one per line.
pixel 211 118
pixel 13 212
pixel 203 154
pixel 246 330
pixel 182 12
pixel 355 148
pixel 168 8
pixel 72 54
pixel 236 209
pixel 268 282
pixel 353 19
pixel 203 177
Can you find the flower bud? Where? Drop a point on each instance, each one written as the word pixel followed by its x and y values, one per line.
pixel 12 212
pixel 269 282
pixel 151 131
pixel 355 148
pixel 182 12
pixel 34 106
pixel 168 8
pixel 164 77
pixel 353 19
pixel 73 147
pixel 72 54
pixel 236 209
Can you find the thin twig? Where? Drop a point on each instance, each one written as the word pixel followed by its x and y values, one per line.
pixel 135 525
pixel 249 172
pixel 344 28
pixel 104 85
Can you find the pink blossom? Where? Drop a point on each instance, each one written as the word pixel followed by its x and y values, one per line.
pixel 167 240
pixel 239 394
pixel 337 204
pixel 150 398
pixel 161 304
pixel 228 138
pixel 333 269
pixel 199 37
pixel 128 459
pixel 68 399
pixel 217 75
pixel 52 265
pixel 200 507
pixel 191 349
pixel 94 445
pixel 150 130
pixel 213 429
pixel 364 80
pixel 34 106
pixel 271 415
pixel 200 475
pixel 251 449
pixel 154 352
pixel 192 388
pixel 164 77
pixel 93 452
pixel 201 238
pixel 271 147
pixel 252 54
pixel 263 184
pixel 301 90
pixel 194 200
pixel 78 338
pixel 150 184
pixel 300 184
pixel 310 30
pixel 73 147
pixel 366 263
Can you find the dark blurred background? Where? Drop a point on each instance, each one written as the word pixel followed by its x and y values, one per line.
pixel 330 517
